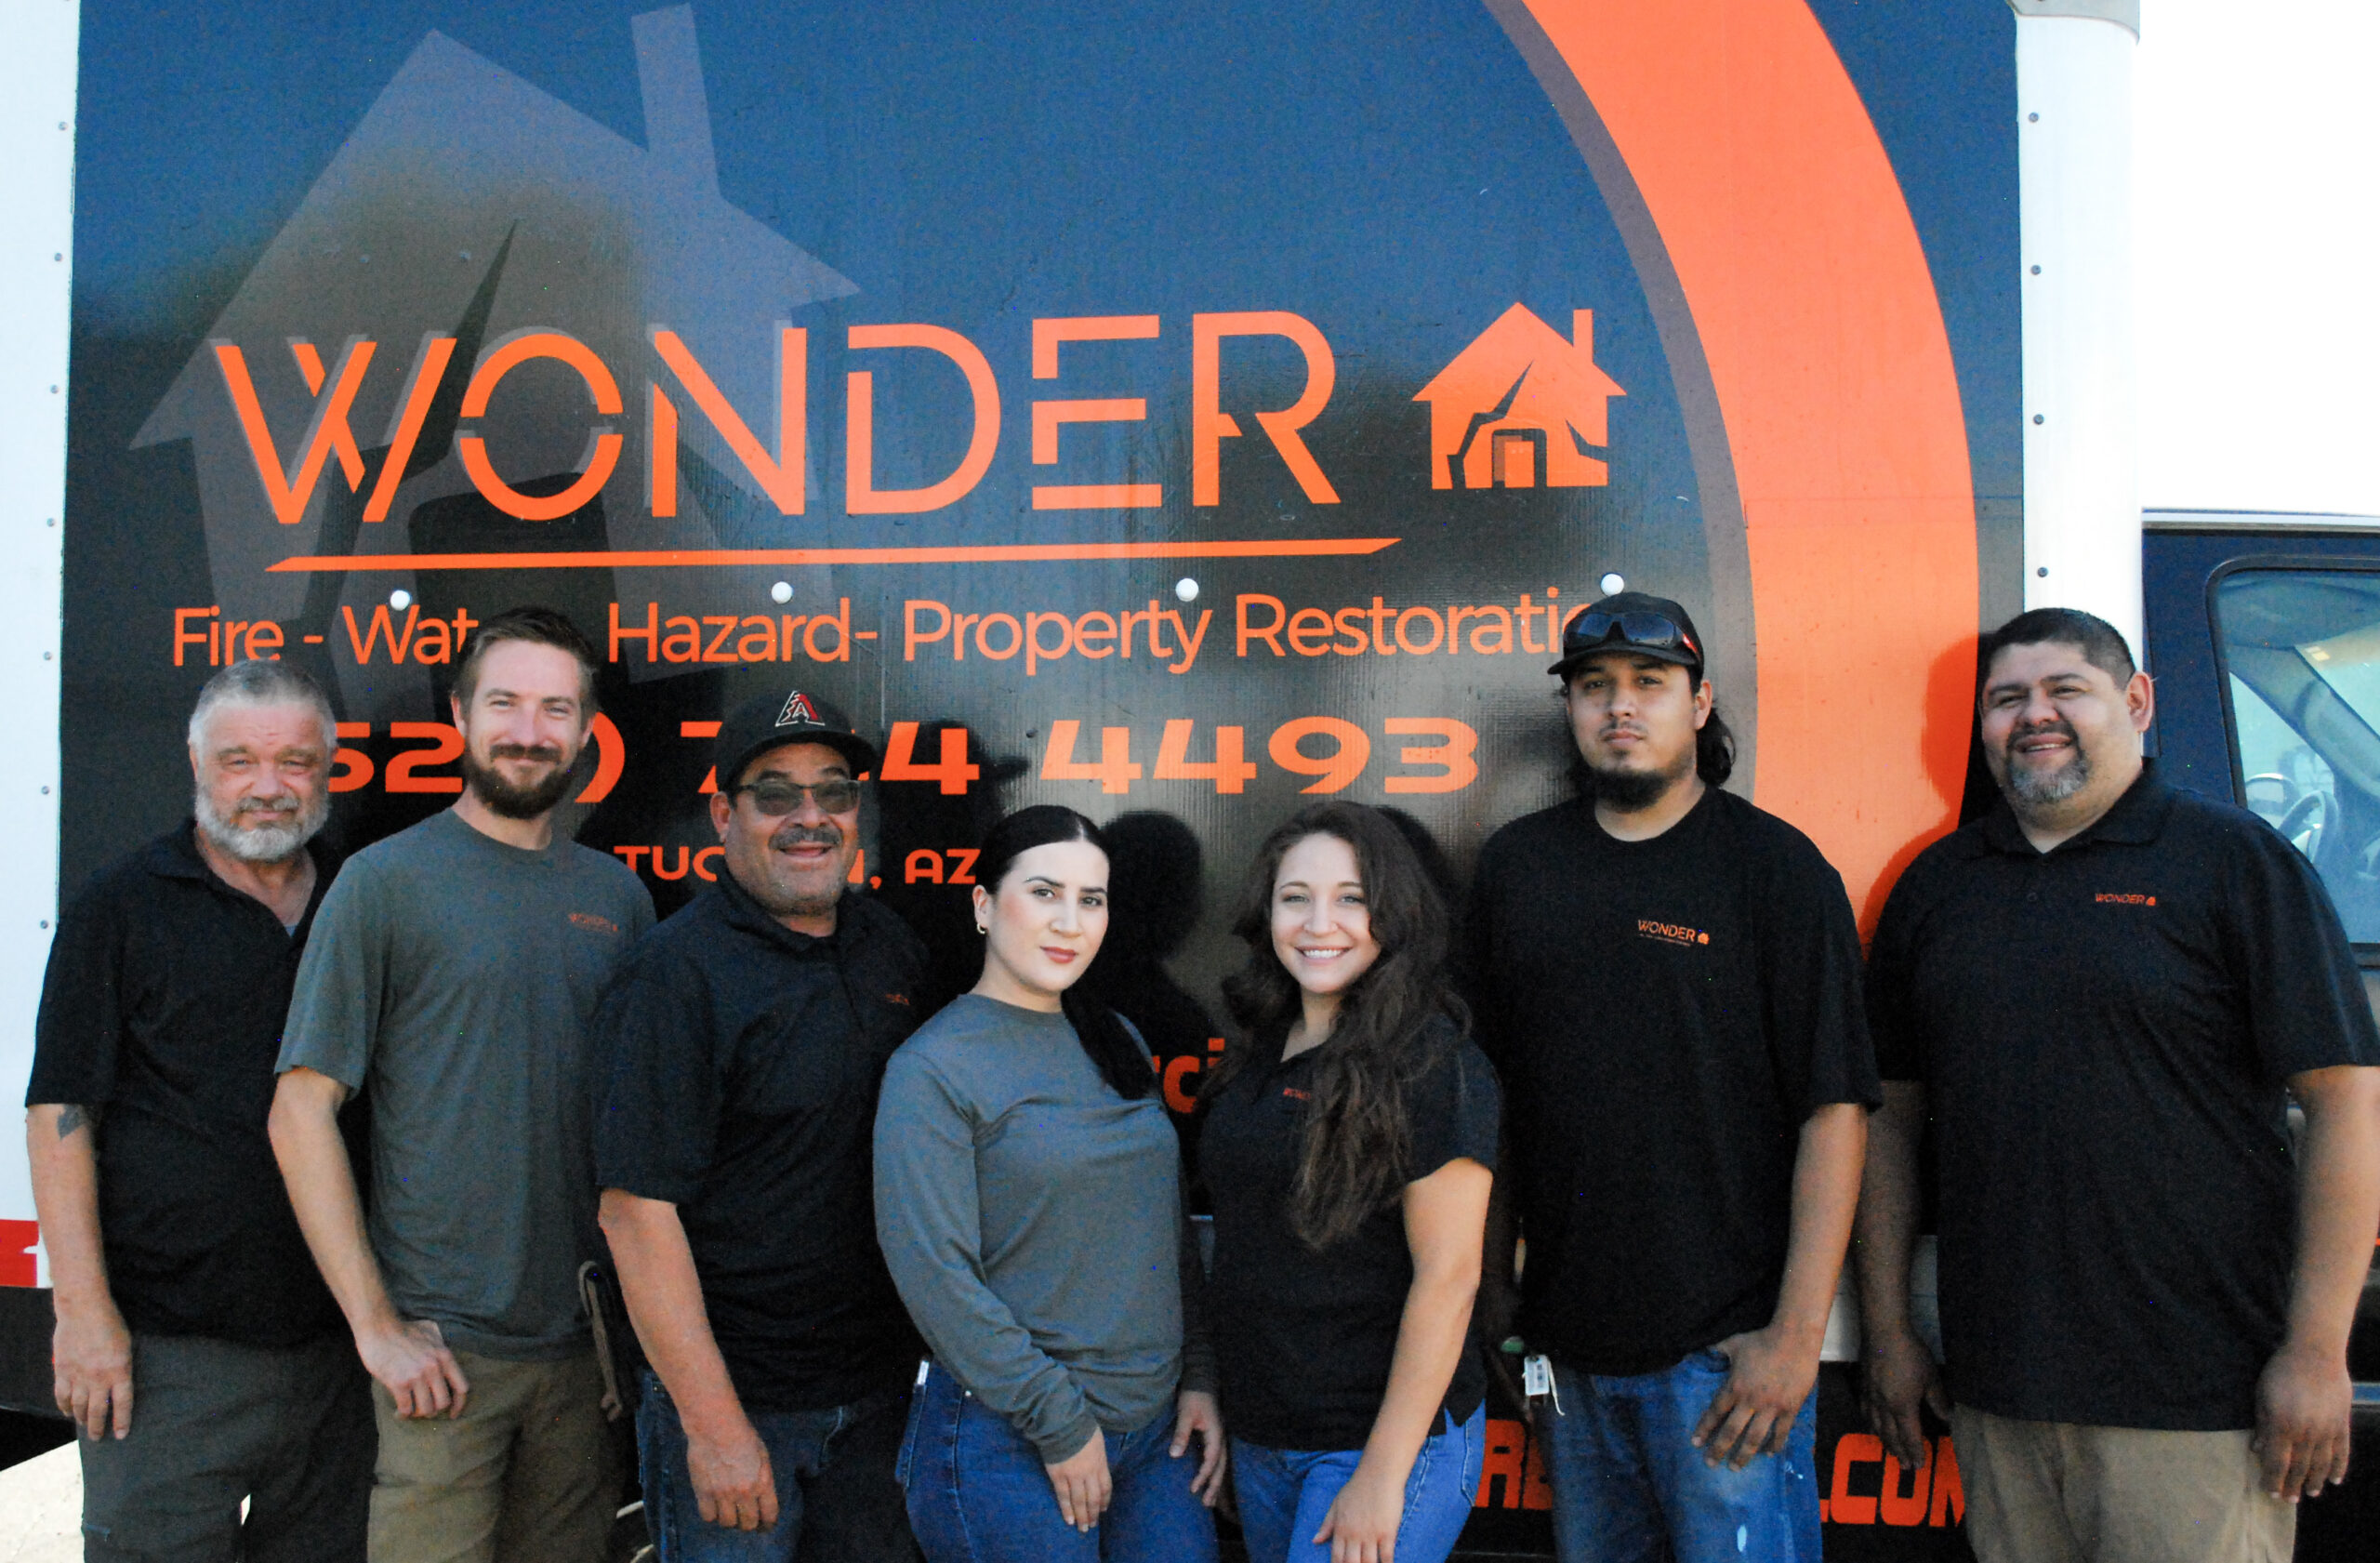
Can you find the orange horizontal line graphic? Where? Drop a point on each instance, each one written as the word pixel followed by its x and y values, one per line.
pixel 1098 497
pixel 982 554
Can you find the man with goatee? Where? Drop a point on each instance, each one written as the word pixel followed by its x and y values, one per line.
pixel 2096 1001
pixel 453 972
pixel 1669 980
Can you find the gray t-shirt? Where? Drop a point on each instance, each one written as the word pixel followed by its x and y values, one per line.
pixel 452 977
pixel 1033 1220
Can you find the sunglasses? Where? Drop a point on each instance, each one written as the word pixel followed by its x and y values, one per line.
pixel 1651 631
pixel 777 799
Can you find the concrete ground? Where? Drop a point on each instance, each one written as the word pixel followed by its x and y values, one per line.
pixel 41 1509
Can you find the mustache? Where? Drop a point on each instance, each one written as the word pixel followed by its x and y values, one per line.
pixel 790 836
pixel 2056 724
pixel 551 753
pixel 1610 729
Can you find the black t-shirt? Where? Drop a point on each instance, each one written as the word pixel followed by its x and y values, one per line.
pixel 1303 1339
pixel 1666 1014
pixel 737 1067
pixel 2104 1032
pixel 162 1007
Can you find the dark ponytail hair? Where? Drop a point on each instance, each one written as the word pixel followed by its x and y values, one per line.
pixel 1357 1140
pixel 1118 1059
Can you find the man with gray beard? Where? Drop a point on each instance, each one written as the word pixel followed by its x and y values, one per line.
pixel 2100 998
pixel 180 1275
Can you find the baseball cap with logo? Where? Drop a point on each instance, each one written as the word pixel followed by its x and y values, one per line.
pixel 1636 621
pixel 796 716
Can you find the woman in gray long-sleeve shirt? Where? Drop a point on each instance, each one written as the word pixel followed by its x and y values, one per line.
pixel 1029 1203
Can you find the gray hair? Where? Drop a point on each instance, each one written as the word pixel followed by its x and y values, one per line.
pixel 260 682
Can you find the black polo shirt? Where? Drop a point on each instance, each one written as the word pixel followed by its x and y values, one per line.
pixel 2104 1032
pixel 736 1077
pixel 1665 1015
pixel 1304 1339
pixel 163 1006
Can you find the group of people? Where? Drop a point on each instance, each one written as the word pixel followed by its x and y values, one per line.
pixel 322 1157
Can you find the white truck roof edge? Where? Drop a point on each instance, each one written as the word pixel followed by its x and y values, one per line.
pixel 2075 92
pixel 37 88
pixel 2123 13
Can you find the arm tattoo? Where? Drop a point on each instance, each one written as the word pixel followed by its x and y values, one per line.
pixel 71 1117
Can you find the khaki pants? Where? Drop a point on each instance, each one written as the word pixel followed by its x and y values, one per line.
pixel 2059 1493
pixel 527 1473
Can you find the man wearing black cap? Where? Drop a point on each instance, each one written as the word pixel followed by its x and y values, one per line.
pixel 738 1058
pixel 1668 979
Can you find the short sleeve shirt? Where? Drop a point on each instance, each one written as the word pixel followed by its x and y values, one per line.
pixel 2104 1032
pixel 1666 1014
pixel 1304 1338
pixel 162 1008
pixel 455 976
pixel 737 1068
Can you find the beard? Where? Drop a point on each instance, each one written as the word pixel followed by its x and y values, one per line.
pixel 2035 789
pixel 269 842
pixel 775 889
pixel 1628 790
pixel 537 798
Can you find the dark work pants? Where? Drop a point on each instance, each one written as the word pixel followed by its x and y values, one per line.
pixel 287 1429
pixel 837 1498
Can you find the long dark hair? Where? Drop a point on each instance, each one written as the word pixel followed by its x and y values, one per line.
pixel 1357 1137
pixel 1119 1060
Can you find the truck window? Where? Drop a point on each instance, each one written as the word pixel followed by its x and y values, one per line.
pixel 2301 648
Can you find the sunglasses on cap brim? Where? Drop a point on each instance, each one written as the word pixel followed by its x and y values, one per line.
pixel 1593 630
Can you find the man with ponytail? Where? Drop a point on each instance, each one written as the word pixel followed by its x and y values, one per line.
pixel 1668 979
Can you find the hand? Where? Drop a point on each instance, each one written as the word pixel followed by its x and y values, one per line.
pixel 2304 1403
pixel 1897 1375
pixel 1195 1412
pixel 410 1359
pixel 91 1368
pixel 734 1484
pixel 1770 1375
pixel 1361 1526
pixel 1082 1483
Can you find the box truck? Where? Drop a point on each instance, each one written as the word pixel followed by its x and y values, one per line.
pixel 1178 412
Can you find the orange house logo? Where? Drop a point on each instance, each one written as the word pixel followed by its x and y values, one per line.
pixel 1515 407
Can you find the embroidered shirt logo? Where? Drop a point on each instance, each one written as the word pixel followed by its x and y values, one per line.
pixel 2122 898
pixel 1670 933
pixel 589 920
pixel 1301 1095
pixel 900 998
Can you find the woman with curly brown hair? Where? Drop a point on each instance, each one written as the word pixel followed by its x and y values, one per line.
pixel 1350 1145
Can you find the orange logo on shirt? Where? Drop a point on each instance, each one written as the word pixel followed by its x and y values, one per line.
pixel 1670 933
pixel 1301 1095
pixel 900 998
pixel 2120 898
pixel 589 920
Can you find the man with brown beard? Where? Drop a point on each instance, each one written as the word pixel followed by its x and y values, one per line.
pixel 453 971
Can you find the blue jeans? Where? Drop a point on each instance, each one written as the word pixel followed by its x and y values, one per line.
pixel 1629 1487
pixel 979 1493
pixel 837 1499
pixel 1285 1494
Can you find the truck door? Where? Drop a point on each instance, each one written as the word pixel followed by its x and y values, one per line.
pixel 2264 637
